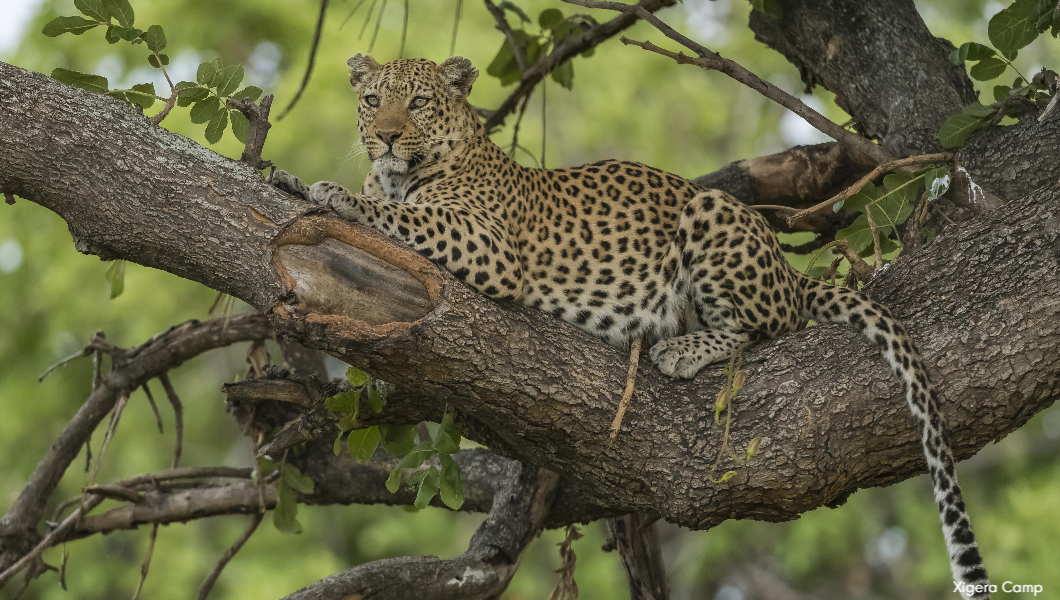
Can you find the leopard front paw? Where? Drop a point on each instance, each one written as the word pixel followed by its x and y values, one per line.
pixel 285 182
pixel 676 358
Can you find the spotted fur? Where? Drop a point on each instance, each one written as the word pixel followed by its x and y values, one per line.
pixel 618 248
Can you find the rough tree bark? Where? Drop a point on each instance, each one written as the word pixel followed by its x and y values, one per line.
pixel 129 190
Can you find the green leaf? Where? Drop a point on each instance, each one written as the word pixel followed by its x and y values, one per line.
pixel 1014 26
pixel 937 181
pixel 988 68
pixel 343 402
pixel 346 423
pixel 449 426
pixel 504 62
pixel 971 51
pixel 93 9
pixel 250 92
pixel 158 61
pixel 112 35
pixel 414 459
pixel 398 439
pixel 286 511
pixel 363 442
pixel 564 75
pixel 128 34
pixel 428 488
pixel 156 38
pixel 549 18
pixel 216 128
pixel 510 6
pixel 375 400
pixel 337 446
pixel 957 128
pixel 229 79
pixel 121 10
pixel 976 109
pixel 393 483
pixel 205 110
pixel 532 51
pixel 415 479
pixel 189 92
pixel 85 81
pixel 147 98
pixel 206 74
pixel 452 488
pixel 116 276
pixel 240 126
pixel 356 377
pixel 768 7
pixel 61 25
pixel 859 200
pixel 1001 92
pixel 300 483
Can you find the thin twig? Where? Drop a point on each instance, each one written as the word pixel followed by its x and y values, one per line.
pixel 571 47
pixel 115 417
pixel 503 27
pixel 312 58
pixel 378 22
pixel 178 416
pixel 147 561
pixel 714 62
pixel 631 379
pixel 879 170
pixel 154 407
pixel 350 16
pixel 875 238
pixel 207 585
pixel 404 31
pixel 456 25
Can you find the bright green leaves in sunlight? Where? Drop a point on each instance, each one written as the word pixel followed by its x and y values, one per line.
pixel 215 82
pixel 1009 30
pixel 115 275
pixel 400 440
pixel 554 29
pixel 289 484
pixel 889 207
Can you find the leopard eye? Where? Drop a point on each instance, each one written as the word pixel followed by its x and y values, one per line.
pixel 420 102
pixel 372 100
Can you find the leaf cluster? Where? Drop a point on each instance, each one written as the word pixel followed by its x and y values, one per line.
pixel 889 208
pixel 1011 29
pixel 400 440
pixel 555 28
pixel 207 95
pixel 214 83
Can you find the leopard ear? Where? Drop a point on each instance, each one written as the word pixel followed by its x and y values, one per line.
pixel 361 68
pixel 458 75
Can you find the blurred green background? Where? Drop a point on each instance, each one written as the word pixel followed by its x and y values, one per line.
pixel 626 103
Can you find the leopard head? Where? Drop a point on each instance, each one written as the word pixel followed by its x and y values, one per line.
pixel 412 112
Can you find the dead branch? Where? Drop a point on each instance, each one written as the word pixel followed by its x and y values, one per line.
pixel 515 519
pixel 132 368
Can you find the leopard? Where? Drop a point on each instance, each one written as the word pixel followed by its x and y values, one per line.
pixel 620 249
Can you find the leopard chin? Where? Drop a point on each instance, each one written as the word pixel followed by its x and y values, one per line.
pixel 388 163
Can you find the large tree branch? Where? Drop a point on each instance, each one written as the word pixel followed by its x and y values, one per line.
pixel 545 390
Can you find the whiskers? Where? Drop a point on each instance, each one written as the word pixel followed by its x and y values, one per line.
pixel 357 150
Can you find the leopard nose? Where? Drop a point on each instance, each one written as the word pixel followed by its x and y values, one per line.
pixel 388 137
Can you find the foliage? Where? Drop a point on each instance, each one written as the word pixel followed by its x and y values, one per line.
pixel 215 82
pixel 400 440
pixel 1010 30
pixel 555 29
